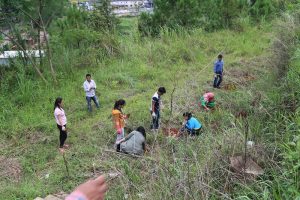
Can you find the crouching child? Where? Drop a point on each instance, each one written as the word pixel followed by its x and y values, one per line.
pixel 191 124
pixel 207 101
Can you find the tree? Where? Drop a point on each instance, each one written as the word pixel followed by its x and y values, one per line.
pixel 102 18
pixel 30 17
pixel 171 14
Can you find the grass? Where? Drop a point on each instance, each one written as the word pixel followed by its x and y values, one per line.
pixel 183 169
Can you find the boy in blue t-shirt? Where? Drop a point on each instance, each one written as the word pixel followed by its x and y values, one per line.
pixel 218 70
pixel 191 124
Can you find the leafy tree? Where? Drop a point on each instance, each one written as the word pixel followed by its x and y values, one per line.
pixel 25 19
pixel 207 14
pixel 102 17
pixel 87 33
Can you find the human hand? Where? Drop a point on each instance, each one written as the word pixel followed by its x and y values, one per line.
pixel 118 142
pixel 119 131
pixel 63 128
pixel 90 190
pixel 153 115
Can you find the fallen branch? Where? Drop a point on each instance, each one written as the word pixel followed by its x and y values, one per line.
pixel 129 155
pixel 66 164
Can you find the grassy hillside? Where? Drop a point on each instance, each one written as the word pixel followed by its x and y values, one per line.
pixel 178 169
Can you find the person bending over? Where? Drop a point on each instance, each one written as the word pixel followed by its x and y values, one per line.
pixel 134 143
pixel 191 124
pixel 208 101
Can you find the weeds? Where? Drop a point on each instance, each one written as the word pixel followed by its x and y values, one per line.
pixel 183 169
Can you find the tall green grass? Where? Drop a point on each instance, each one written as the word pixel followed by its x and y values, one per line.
pixel 177 169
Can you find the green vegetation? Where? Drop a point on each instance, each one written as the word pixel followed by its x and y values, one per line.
pixel 209 15
pixel 261 80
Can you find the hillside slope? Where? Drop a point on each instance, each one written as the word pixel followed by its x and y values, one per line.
pixel 178 169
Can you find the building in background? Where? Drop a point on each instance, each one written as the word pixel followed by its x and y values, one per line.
pixel 121 7
pixel 9 56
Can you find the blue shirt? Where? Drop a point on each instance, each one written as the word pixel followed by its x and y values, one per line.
pixel 218 67
pixel 193 123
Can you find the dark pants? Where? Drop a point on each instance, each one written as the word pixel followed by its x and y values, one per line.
pixel 118 147
pixel 194 132
pixel 155 121
pixel 218 79
pixel 62 136
pixel 89 100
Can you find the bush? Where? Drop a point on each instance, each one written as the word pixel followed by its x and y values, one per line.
pixel 210 15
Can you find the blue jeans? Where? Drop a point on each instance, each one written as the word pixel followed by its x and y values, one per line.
pixel 89 105
pixel 218 79
pixel 155 120
pixel 193 132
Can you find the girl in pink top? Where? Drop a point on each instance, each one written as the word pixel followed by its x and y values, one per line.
pixel 207 101
pixel 61 121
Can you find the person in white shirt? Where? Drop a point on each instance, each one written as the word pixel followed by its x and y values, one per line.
pixel 155 107
pixel 61 121
pixel 90 87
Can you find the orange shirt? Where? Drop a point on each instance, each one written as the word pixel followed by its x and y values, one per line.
pixel 118 118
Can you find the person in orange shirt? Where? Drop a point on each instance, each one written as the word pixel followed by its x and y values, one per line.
pixel 119 118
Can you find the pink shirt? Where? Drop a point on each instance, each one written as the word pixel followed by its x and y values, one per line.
pixel 76 195
pixel 61 113
pixel 208 97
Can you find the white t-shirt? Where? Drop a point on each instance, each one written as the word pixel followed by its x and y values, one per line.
pixel 87 86
pixel 60 112
pixel 156 99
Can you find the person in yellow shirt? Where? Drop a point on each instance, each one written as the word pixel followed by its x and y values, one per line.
pixel 119 118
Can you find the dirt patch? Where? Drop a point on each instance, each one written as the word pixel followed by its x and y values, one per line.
pixel 10 168
pixel 229 86
pixel 35 137
pixel 236 73
pixel 239 165
pixel 170 131
pixel 242 114
pixel 240 76
pixel 256 100
pixel 61 195
pixel 215 126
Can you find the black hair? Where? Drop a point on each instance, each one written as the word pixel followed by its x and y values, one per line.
pixel 58 100
pixel 142 131
pixel 187 114
pixel 119 103
pixel 162 90
pixel 88 75
pixel 220 56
